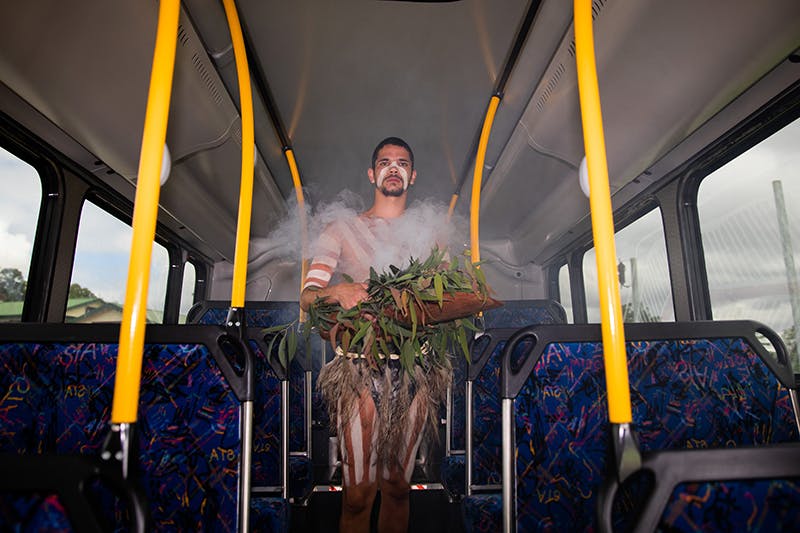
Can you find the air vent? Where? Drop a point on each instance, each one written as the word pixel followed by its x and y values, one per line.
pixel 199 62
pixel 552 83
pixel 182 37
pixel 550 87
pixel 206 77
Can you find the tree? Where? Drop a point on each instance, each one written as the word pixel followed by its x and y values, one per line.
pixel 12 285
pixel 76 291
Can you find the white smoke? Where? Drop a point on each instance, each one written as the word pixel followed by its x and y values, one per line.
pixel 423 226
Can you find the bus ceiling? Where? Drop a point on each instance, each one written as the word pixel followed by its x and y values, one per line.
pixel 341 75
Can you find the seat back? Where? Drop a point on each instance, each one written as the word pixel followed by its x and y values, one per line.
pixel 512 314
pixel 728 489
pixel 57 386
pixel 484 464
pixel 700 384
pixel 260 314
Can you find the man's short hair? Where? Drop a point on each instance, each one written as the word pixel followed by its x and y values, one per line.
pixel 394 141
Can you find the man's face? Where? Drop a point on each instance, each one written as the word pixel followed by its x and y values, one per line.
pixel 392 174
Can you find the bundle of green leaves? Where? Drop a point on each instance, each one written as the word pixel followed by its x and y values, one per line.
pixel 418 312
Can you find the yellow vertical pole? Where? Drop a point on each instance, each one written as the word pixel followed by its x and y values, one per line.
pixel 477 177
pixel 145 212
pixel 619 403
pixel 248 157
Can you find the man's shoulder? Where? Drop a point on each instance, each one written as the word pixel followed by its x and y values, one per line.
pixel 343 221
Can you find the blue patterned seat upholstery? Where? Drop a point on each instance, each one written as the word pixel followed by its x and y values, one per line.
pixel 267 405
pixel 693 385
pixel 721 489
pixel 513 314
pixel 189 411
pixel 486 398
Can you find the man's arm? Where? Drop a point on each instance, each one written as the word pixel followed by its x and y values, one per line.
pixel 326 259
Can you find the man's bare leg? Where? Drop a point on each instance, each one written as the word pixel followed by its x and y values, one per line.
pixel 359 465
pixel 396 477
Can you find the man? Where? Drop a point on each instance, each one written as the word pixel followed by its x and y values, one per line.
pixel 380 414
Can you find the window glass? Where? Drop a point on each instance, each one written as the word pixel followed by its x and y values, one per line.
pixel 565 291
pixel 643 273
pixel 187 290
pixel 100 270
pixel 20 200
pixel 750 227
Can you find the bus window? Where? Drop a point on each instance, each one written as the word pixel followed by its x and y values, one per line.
pixel 751 235
pixel 100 269
pixel 187 290
pixel 645 291
pixel 564 291
pixel 20 199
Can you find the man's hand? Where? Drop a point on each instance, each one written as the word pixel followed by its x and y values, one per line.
pixel 348 294
pixel 345 294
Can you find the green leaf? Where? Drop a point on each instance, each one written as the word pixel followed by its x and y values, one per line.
pixel 407 356
pixel 291 344
pixel 467 323
pixel 270 346
pixel 362 331
pixel 346 341
pixel 384 347
pixel 282 353
pixel 461 337
pixel 481 277
pixel 347 278
pixel 439 288
pixel 273 329
pixel 412 310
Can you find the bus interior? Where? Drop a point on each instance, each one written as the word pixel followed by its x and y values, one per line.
pixel 701 122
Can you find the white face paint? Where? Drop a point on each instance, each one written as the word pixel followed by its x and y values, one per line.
pixel 401 172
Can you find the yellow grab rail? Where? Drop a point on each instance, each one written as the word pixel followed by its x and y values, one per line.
pixel 248 157
pixel 477 178
pixel 301 207
pixel 145 212
pixel 619 402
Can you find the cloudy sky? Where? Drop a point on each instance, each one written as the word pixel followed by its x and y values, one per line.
pixel 101 262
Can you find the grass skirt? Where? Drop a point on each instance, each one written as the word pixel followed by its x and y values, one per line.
pixel 342 381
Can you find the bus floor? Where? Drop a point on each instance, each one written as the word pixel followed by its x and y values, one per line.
pixel 431 512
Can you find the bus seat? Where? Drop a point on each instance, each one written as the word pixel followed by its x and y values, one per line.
pixel 47 492
pixel 723 489
pixel 259 314
pixel 693 385
pixel 513 315
pixel 487 435
pixel 267 460
pixel 189 417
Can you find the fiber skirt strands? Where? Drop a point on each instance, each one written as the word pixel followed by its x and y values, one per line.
pixel 343 381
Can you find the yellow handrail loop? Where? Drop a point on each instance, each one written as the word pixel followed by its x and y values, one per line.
pixel 477 178
pixel 301 207
pixel 248 157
